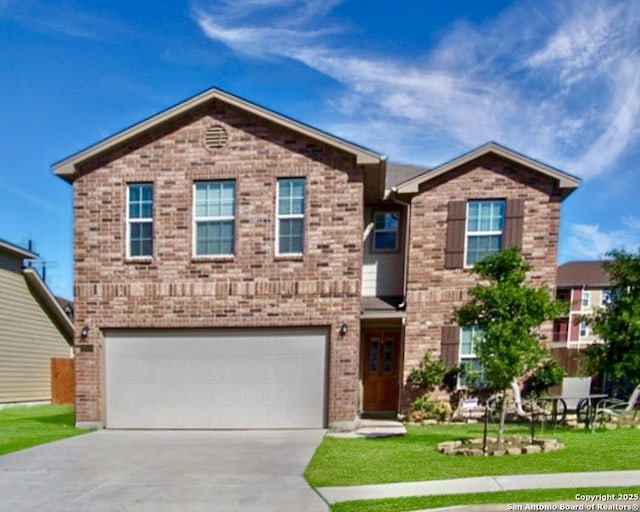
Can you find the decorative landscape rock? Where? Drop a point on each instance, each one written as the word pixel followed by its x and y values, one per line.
pixel 516 445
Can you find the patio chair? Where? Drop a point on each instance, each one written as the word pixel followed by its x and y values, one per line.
pixel 519 403
pixel 574 389
pixel 527 409
pixel 615 408
pixel 576 399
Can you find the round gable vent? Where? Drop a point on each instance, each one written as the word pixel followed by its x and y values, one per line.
pixel 215 137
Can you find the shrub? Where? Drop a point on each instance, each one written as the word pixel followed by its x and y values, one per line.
pixel 443 411
pixel 422 408
pixel 428 375
pixel 422 403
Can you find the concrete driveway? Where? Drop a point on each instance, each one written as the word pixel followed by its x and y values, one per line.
pixel 160 471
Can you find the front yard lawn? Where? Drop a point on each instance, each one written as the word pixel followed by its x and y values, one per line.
pixel 414 457
pixel 24 427
pixel 535 496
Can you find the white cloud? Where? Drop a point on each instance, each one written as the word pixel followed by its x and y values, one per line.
pixel 633 223
pixel 284 27
pixel 585 41
pixel 35 200
pixel 54 17
pixel 589 241
pixel 562 87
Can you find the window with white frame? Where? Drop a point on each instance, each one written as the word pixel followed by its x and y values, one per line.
pixel 584 329
pixel 385 231
pixel 586 298
pixel 473 373
pixel 290 224
pixel 139 220
pixel 606 298
pixel 214 218
pixel 485 224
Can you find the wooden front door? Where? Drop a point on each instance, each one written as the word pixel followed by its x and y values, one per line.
pixel 380 376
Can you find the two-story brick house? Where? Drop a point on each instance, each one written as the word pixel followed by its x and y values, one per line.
pixel 237 268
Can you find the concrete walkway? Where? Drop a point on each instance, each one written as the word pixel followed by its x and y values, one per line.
pixel 481 484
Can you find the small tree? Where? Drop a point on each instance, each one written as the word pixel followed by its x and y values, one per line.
pixel 548 374
pixel 618 323
pixel 508 311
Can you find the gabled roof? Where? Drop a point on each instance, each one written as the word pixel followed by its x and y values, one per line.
pixel 574 274
pixel 565 181
pixel 41 290
pixel 67 168
pixel 398 173
pixel 16 251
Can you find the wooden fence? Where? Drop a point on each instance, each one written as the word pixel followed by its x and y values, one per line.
pixel 63 381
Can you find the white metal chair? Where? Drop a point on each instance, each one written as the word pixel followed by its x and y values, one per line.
pixel 616 408
pixel 527 409
pixel 575 389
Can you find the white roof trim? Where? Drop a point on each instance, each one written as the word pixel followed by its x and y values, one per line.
pixel 66 168
pixel 412 186
pixel 18 252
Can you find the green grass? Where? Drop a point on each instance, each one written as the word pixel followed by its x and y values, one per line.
pixel 339 462
pixel 523 497
pixel 24 427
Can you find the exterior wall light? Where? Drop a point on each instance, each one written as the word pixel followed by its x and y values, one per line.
pixel 343 329
pixel 84 333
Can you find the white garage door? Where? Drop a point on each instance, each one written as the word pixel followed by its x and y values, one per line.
pixel 269 378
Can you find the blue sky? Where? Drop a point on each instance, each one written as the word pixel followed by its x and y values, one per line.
pixel 421 82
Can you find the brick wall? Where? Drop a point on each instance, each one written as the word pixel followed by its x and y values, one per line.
pixel 433 291
pixel 253 289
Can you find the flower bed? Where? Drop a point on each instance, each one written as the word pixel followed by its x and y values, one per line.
pixel 516 445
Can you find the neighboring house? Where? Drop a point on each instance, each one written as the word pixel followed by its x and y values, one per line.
pixel 33 329
pixel 67 306
pixel 237 268
pixel 585 287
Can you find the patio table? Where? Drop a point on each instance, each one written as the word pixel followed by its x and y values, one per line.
pixel 588 403
pixel 584 406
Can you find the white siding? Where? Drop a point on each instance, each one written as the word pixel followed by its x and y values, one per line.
pixel 382 272
pixel 382 275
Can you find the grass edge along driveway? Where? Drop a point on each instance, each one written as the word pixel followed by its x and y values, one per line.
pixel 27 426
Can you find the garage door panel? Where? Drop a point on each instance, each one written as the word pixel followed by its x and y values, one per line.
pixel 234 379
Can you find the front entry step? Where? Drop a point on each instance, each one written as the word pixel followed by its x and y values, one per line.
pixel 368 428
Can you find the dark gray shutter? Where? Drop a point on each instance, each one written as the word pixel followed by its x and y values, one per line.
pixel 513 224
pixel 456 219
pixel 449 345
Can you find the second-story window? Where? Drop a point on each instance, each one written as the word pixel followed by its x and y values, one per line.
pixel 213 217
pixel 586 298
pixel 385 234
pixel 290 225
pixel 139 220
pixel 485 224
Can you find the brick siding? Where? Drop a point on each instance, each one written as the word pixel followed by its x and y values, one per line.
pixel 435 291
pixel 254 288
